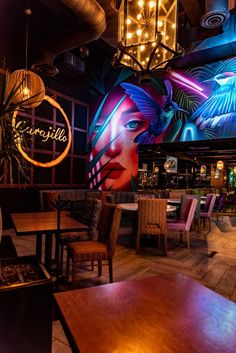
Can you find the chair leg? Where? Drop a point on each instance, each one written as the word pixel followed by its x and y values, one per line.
pixel 61 258
pixel 110 270
pixel 165 244
pixel 67 266
pixel 198 225
pixel 188 239
pixel 209 220
pixel 137 243
pixel 99 267
pixel 74 268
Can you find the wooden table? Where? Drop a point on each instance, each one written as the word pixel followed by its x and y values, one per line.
pixel 163 314
pixel 44 223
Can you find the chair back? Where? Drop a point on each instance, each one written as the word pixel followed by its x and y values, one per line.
pixel 221 203
pixel 0 225
pixel 114 232
pixel 152 211
pixel 48 198
pixel 105 221
pixel 143 197
pixel 187 211
pixel 198 198
pixel 176 194
pixel 210 202
pixel 91 216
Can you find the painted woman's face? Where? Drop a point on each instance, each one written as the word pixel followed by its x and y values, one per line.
pixel 119 163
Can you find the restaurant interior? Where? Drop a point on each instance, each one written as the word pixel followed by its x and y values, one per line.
pixel 117 176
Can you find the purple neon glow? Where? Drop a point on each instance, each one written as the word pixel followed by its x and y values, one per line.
pixel 187 83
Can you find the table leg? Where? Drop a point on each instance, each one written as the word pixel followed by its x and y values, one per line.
pixel 48 251
pixel 39 247
pixel 134 228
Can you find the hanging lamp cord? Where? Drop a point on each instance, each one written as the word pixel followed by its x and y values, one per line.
pixel 28 13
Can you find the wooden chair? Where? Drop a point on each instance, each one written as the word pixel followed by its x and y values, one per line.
pixel 99 250
pixel 152 221
pixel 183 224
pixel 90 217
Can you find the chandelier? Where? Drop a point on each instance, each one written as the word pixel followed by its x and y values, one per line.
pixel 147 34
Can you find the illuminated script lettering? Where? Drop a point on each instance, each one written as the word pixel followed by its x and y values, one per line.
pixel 57 134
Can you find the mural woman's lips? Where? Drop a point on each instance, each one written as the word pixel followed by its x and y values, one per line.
pixel 115 170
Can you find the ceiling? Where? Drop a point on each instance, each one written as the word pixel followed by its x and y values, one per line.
pixel 52 20
pixel 207 151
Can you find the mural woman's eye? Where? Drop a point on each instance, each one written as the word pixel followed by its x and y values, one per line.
pixel 134 125
pixel 97 127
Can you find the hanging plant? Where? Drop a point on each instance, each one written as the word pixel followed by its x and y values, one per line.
pixel 13 167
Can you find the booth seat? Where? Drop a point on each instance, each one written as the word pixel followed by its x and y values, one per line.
pixel 46 196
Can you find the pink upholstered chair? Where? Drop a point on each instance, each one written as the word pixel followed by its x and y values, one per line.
pixel 183 224
pixel 205 214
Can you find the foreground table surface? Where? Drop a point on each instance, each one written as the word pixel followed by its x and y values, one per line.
pixel 162 314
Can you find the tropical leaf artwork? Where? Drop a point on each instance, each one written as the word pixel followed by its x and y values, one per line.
pixel 187 101
pixel 123 75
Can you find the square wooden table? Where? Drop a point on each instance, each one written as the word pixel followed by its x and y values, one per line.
pixel 44 223
pixel 163 314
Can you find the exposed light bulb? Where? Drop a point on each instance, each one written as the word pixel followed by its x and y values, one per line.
pixel 129 21
pixel 160 23
pixel 139 32
pixel 151 4
pixel 146 35
pixel 173 25
pixel 139 16
pixel 140 3
pixel 129 35
pixel 26 92
pixel 142 48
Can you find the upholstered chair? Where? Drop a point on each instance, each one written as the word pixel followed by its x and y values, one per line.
pixel 90 217
pixel 183 224
pixel 205 214
pixel 152 221
pixel 220 205
pixel 97 250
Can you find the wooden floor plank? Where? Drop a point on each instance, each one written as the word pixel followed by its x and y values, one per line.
pixel 204 267
pixel 211 262
pixel 227 283
pixel 213 276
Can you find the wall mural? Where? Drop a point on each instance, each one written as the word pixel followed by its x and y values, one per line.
pixel 196 104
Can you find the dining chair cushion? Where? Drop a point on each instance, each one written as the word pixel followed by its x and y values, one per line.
pixel 176 224
pixel 87 251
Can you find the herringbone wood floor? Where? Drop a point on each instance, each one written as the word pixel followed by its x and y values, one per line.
pixel 211 261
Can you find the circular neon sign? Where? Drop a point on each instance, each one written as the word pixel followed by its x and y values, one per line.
pixel 18 138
